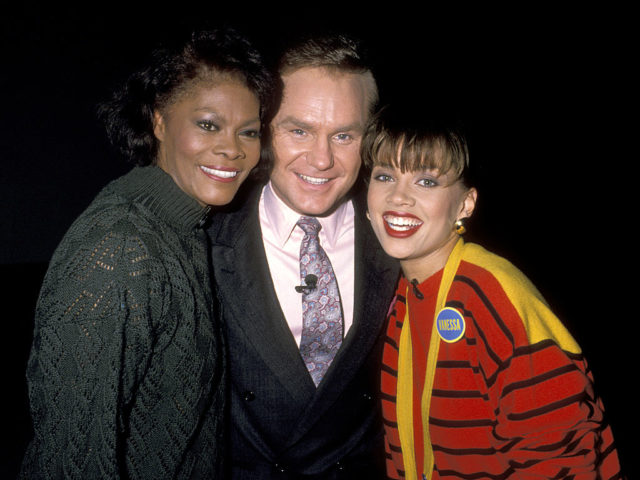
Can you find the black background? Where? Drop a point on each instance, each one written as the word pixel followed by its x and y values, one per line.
pixel 543 92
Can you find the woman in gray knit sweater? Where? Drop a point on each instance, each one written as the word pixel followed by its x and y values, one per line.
pixel 126 375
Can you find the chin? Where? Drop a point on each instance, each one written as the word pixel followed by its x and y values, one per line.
pixel 397 254
pixel 215 199
pixel 216 202
pixel 320 212
pixel 395 248
pixel 322 208
pixel 312 211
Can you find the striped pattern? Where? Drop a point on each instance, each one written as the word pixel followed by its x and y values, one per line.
pixel 501 406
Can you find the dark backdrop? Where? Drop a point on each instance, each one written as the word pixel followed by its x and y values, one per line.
pixel 542 91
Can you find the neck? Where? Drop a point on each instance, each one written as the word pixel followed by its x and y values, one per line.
pixel 423 267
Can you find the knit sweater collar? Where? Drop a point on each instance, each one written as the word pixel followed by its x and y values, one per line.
pixel 157 191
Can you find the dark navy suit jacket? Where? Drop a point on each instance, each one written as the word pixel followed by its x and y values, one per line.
pixel 281 426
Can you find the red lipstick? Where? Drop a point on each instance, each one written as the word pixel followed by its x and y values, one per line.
pixel 400 224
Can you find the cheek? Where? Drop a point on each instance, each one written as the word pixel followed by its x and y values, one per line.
pixel 253 154
pixel 350 160
pixel 446 211
pixel 375 200
pixel 285 150
pixel 188 144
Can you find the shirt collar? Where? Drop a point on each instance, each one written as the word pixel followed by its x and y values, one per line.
pixel 284 219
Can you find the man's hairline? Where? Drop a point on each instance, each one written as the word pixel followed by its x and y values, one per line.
pixel 371 86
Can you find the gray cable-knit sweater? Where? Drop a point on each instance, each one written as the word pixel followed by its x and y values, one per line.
pixel 126 373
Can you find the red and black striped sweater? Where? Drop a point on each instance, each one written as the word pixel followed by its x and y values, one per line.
pixel 512 398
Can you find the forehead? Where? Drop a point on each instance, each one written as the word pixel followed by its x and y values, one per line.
pixel 410 155
pixel 204 79
pixel 221 90
pixel 314 93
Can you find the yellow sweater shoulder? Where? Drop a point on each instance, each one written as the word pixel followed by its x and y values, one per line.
pixel 539 321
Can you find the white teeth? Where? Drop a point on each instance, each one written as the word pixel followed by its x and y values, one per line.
pixel 219 173
pixel 402 224
pixel 400 228
pixel 313 180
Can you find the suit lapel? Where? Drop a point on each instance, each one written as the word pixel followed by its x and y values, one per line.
pixel 242 274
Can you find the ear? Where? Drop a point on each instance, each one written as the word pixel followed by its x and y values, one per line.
pixel 158 125
pixel 468 203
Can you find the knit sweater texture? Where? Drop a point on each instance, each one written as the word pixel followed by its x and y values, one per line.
pixel 511 397
pixel 126 373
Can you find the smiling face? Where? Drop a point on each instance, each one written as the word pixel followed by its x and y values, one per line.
pixel 316 138
pixel 413 215
pixel 209 139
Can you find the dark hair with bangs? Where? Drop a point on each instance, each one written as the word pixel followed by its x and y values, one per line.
pixel 205 56
pixel 405 138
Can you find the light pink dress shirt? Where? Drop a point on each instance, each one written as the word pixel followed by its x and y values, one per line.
pixel 282 238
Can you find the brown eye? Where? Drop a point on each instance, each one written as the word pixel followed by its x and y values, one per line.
pixel 383 178
pixel 207 125
pixel 250 133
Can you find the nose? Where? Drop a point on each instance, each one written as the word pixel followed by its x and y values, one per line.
pixel 320 155
pixel 227 145
pixel 400 195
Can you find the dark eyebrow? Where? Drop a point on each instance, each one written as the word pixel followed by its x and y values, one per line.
pixel 252 121
pixel 387 165
pixel 221 118
pixel 354 127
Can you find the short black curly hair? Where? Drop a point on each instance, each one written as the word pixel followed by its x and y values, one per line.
pixel 128 115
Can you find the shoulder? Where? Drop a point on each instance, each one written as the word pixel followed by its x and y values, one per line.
pixel 489 272
pixel 111 225
pixel 111 243
pixel 508 296
pixel 238 218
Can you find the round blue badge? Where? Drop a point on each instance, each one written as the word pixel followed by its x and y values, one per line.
pixel 450 324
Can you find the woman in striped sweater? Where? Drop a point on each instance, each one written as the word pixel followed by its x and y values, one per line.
pixel 479 378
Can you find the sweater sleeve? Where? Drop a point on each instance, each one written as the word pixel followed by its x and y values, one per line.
pixel 92 343
pixel 550 423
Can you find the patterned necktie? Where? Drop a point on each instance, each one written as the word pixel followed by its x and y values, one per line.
pixel 321 309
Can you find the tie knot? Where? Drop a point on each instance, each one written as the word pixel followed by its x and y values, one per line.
pixel 310 225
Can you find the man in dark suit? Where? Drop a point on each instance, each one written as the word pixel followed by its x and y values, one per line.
pixel 294 415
